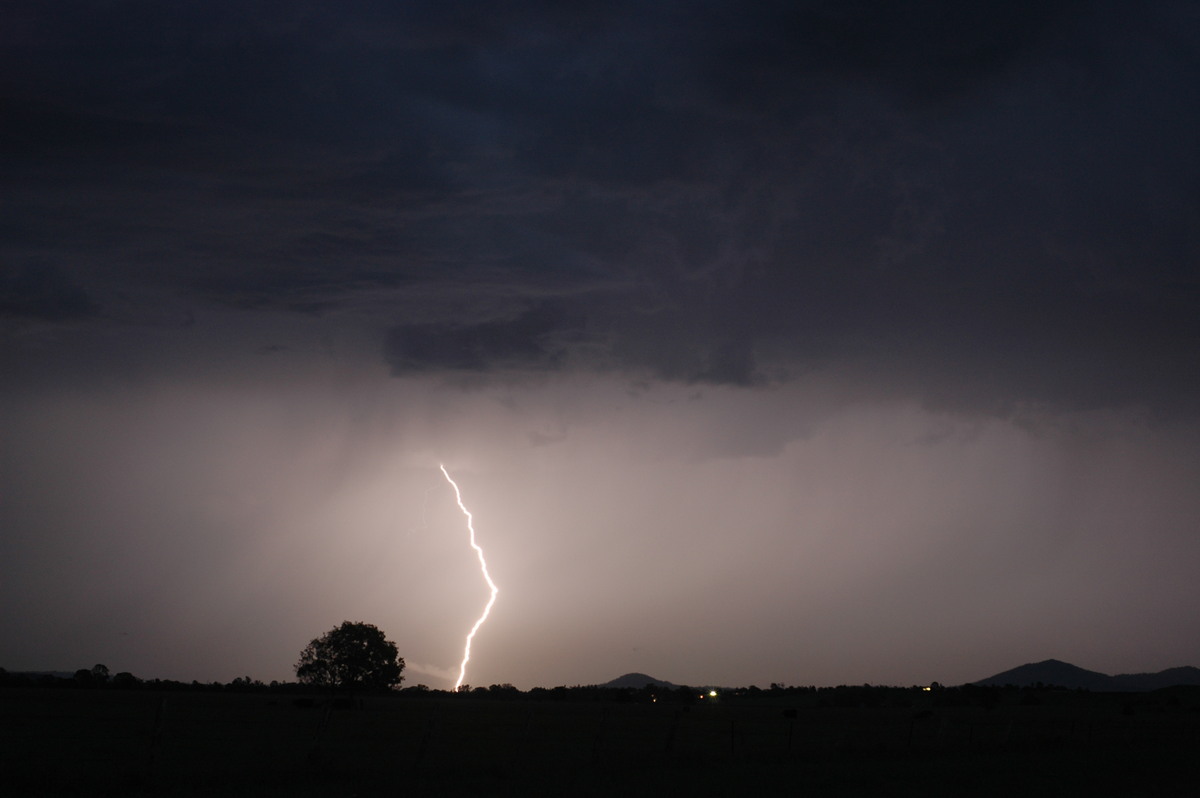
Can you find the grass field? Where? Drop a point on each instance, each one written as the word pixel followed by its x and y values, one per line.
pixel 109 742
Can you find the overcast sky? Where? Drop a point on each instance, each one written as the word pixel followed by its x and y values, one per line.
pixel 810 342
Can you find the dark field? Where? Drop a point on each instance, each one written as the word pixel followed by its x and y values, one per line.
pixel 111 742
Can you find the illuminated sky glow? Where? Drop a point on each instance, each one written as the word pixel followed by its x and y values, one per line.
pixel 811 342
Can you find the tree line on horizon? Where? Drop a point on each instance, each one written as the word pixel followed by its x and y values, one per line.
pixel 356 657
pixel 864 696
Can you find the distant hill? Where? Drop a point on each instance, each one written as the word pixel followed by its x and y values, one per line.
pixel 1063 674
pixel 1171 677
pixel 638 681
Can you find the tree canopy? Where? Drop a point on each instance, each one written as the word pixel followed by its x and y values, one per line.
pixel 353 655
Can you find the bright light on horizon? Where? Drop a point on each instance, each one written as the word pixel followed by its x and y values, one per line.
pixel 462 670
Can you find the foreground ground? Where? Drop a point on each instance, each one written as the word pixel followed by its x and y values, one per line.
pixel 79 742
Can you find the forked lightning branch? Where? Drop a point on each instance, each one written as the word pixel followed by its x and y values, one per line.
pixel 462 670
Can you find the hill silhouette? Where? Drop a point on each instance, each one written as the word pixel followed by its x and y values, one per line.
pixel 638 681
pixel 1063 674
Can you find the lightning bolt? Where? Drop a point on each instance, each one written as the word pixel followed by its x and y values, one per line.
pixel 462 670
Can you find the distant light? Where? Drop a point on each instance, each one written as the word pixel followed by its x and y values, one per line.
pixel 712 693
pixel 927 689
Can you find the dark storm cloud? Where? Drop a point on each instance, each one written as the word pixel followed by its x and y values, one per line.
pixel 532 340
pixel 298 289
pixel 40 291
pixel 927 52
pixel 987 204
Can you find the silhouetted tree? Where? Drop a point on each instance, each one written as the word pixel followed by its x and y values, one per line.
pixel 96 676
pixel 125 681
pixel 354 655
